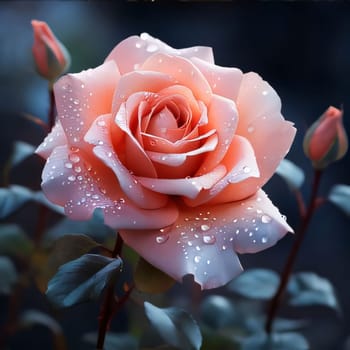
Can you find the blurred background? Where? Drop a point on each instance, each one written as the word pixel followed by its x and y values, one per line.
pixel 301 48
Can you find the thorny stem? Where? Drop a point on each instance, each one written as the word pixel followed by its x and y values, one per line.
pixel 276 300
pixel 110 304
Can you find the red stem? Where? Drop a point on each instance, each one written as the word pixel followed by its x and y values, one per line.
pixel 276 300
pixel 110 304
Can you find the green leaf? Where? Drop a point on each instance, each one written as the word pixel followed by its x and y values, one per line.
pixel 291 174
pixel 149 279
pixel 218 312
pixel 114 341
pixel 35 317
pixel 63 250
pixel 12 198
pixel 21 151
pixel 13 241
pixel 95 228
pixel 8 275
pixel 256 284
pixel 175 326
pixel 277 341
pixel 82 279
pixel 307 288
pixel 340 196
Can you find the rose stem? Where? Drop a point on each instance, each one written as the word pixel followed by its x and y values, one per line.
pixel 109 303
pixel 51 117
pixel 276 300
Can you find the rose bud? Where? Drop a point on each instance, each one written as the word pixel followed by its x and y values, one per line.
pixel 326 140
pixel 51 57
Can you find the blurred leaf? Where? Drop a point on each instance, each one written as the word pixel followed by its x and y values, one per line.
pixel 13 241
pixel 8 275
pixel 95 228
pixel 149 279
pixel 82 279
pixel 35 317
pixel 276 341
pixel 113 341
pixel 12 198
pixel 255 284
pixel 21 151
pixel 64 249
pixel 219 339
pixel 291 174
pixel 283 325
pixel 175 326
pixel 340 196
pixel 218 312
pixel 307 288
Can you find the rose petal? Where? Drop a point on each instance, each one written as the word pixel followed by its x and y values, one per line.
pixel 81 186
pixel 261 121
pixel 81 97
pixel 188 187
pixel 133 51
pixel 132 188
pixel 140 81
pixel 203 241
pixel 177 159
pixel 183 71
pixel 223 118
pixel 224 81
pixel 241 164
pixel 55 138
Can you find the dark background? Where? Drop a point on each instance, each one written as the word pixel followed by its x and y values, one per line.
pixel 301 48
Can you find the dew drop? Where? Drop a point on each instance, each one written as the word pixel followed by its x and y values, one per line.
pixel 71 178
pixel 223 247
pixel 246 169
pixel 209 239
pixel 197 259
pixel 74 158
pixel 205 227
pixel 138 45
pixel 250 129
pixel 264 240
pixel 162 239
pixel 101 123
pixel 68 165
pixel 265 219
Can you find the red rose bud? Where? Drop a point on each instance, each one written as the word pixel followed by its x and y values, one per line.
pixel 51 57
pixel 326 140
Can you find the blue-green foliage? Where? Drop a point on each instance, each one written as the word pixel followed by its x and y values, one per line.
pixel 340 196
pixel 8 275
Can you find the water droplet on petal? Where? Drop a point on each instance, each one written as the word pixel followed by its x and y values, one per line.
pixel 76 101
pixel 152 48
pixel 197 259
pixel 68 165
pixel 209 239
pixel 264 240
pixel 265 219
pixel 205 227
pixel 250 129
pixel 101 123
pixel 74 158
pixel 71 178
pixel 162 239
pixel 246 169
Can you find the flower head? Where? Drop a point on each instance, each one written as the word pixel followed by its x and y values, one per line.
pixel 326 140
pixel 51 57
pixel 174 149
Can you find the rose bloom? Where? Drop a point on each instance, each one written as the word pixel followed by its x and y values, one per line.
pixel 174 150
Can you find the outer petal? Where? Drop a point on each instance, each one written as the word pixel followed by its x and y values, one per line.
pixel 82 97
pixel 55 138
pixel 80 184
pixel 261 122
pixel 224 81
pixel 203 241
pixel 133 51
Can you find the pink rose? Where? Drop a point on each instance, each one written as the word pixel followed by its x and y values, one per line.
pixel 174 149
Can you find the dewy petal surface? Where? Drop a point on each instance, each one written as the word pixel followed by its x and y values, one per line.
pixel 82 97
pixel 133 51
pixel 80 184
pixel 204 240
